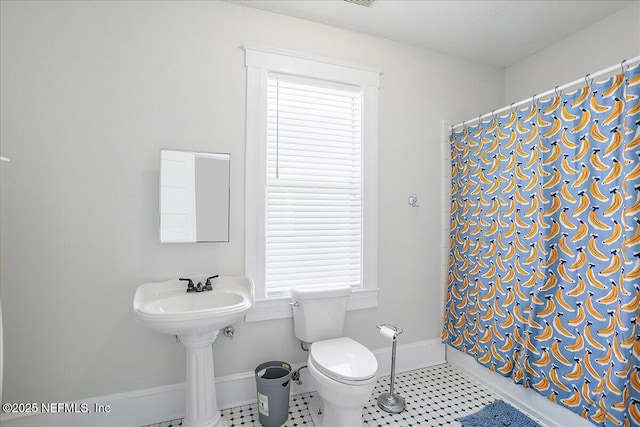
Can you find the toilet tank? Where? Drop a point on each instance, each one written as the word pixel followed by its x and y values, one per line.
pixel 318 313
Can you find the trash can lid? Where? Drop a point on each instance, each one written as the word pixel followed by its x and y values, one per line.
pixel 344 359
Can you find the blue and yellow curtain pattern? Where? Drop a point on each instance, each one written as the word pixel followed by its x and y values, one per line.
pixel 544 269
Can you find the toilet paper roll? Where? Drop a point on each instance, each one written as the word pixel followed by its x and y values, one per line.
pixel 387 332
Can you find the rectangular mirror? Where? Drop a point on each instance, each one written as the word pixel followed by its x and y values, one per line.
pixel 194 196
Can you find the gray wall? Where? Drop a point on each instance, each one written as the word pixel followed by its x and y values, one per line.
pixel 595 48
pixel 91 91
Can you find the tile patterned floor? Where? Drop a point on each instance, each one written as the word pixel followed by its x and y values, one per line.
pixel 435 396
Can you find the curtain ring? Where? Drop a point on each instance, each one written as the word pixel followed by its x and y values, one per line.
pixel 586 81
pixel 511 107
pixel 622 65
pixel 556 91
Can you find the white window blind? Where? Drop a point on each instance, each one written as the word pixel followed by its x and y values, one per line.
pixel 313 221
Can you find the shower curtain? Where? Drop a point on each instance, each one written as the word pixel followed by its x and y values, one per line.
pixel 544 267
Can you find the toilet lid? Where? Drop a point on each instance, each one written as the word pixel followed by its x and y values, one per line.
pixel 344 359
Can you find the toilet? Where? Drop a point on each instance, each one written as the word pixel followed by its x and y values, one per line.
pixel 342 370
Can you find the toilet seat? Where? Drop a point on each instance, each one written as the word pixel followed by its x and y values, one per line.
pixel 343 360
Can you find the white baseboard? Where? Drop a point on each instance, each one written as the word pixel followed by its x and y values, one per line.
pixel 534 404
pixel 154 405
pixel 130 409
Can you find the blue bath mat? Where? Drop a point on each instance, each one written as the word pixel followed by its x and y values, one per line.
pixel 497 414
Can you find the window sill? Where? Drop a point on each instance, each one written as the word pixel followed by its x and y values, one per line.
pixel 279 308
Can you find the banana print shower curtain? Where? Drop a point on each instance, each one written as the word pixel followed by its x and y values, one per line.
pixel 544 268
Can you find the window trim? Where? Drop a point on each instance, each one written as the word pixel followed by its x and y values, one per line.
pixel 260 61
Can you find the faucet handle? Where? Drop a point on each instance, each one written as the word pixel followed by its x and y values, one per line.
pixel 207 284
pixel 190 286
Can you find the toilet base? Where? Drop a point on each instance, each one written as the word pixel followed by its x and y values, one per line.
pixel 323 416
pixel 315 411
pixel 339 404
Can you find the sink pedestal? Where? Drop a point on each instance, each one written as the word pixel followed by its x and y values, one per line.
pixel 202 406
pixel 196 319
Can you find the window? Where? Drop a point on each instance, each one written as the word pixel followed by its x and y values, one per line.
pixel 311 178
pixel 313 192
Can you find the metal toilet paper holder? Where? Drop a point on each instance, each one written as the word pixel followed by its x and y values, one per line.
pixel 391 402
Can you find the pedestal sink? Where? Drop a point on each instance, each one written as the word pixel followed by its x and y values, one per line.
pixel 196 319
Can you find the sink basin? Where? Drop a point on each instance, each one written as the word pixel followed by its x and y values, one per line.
pixel 196 318
pixel 185 304
pixel 166 306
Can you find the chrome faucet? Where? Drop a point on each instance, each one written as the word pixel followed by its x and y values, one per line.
pixel 199 287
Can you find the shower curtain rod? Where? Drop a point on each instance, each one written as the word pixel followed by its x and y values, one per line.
pixel 625 63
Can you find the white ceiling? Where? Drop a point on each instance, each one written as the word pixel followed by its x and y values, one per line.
pixel 494 32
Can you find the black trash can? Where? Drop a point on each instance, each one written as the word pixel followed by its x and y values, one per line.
pixel 272 382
